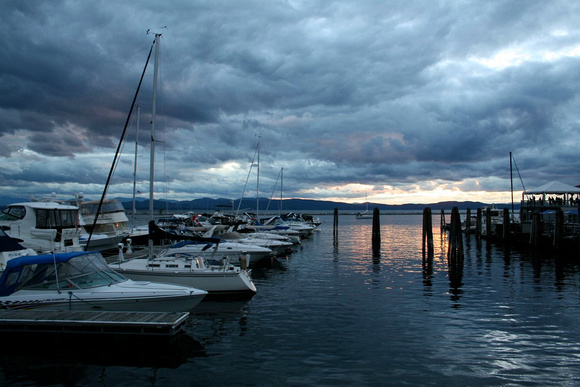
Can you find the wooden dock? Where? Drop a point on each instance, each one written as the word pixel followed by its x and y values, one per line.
pixel 92 322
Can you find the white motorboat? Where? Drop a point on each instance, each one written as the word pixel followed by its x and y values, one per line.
pixel 190 269
pixel 83 281
pixel 45 226
pixel 111 225
pixel 278 246
pixel 224 249
pixel 304 229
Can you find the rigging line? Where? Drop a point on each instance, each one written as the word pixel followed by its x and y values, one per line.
pixel 518 171
pixel 118 148
pixel 245 185
pixel 273 190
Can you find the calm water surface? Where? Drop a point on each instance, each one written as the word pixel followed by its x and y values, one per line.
pixel 332 314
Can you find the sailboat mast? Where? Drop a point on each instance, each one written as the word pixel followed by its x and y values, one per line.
pixel 281 187
pixel 511 183
pixel 153 121
pixel 258 184
pixel 135 166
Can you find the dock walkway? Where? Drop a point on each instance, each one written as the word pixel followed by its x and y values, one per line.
pixel 93 322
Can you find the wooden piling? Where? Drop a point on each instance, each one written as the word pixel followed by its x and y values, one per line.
pixel 428 233
pixel 335 226
pixel 478 223
pixel 488 223
pixel 443 221
pixel 455 255
pixel 535 230
pixel 468 221
pixel 506 225
pixel 376 239
pixel 455 247
pixel 558 229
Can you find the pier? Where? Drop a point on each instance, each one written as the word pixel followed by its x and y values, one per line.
pixel 92 322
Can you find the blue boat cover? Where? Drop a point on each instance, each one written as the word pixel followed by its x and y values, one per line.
pixel 45 258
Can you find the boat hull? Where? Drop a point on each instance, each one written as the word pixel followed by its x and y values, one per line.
pixel 182 301
pixel 218 283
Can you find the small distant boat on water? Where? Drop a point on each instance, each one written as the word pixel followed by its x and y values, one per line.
pixel 365 214
pixel 83 281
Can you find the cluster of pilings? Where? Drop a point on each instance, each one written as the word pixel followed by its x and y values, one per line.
pixel 455 253
pixel 509 232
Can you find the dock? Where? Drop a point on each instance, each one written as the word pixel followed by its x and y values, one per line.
pixel 92 322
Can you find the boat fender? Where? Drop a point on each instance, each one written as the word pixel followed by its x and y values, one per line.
pixel 129 249
pixel 120 246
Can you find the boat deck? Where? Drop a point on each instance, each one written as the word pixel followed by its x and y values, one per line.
pixel 93 322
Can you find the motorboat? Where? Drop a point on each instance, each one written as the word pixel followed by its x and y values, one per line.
pixel 10 249
pixel 190 269
pixel 83 281
pixel 279 247
pixel 207 246
pixel 305 229
pixel 110 227
pixel 44 226
pixel 224 249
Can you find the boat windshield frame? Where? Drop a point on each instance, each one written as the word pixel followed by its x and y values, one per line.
pixel 80 272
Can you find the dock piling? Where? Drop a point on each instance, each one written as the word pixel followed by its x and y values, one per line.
pixel 428 233
pixel 376 239
pixel 468 221
pixel 335 226
pixel 506 225
pixel 455 248
pixel 478 224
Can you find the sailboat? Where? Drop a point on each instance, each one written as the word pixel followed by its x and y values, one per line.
pixel 365 214
pixel 180 267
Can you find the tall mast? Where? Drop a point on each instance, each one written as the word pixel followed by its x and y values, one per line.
pixel 153 121
pixel 135 166
pixel 281 187
pixel 258 184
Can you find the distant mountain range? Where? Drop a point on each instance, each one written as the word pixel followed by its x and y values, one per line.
pixel 288 205
pixel 293 205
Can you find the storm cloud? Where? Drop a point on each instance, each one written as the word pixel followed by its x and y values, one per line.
pixel 403 101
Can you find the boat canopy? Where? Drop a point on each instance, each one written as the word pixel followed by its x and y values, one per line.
pixel 553 187
pixel 75 270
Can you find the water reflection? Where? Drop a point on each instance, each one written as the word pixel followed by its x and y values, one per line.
pixel 68 359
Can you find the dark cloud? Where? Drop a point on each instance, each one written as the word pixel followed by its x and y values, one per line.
pixel 375 93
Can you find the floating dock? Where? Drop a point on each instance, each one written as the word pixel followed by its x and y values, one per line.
pixel 92 322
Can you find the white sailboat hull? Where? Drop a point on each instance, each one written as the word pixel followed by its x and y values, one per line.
pixel 216 281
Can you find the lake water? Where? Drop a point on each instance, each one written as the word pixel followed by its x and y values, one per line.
pixel 332 314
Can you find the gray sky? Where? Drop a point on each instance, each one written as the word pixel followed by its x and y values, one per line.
pixel 401 101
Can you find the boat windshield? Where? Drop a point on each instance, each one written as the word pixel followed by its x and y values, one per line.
pixel 83 271
pixel 52 218
pixel 90 208
pixel 13 213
